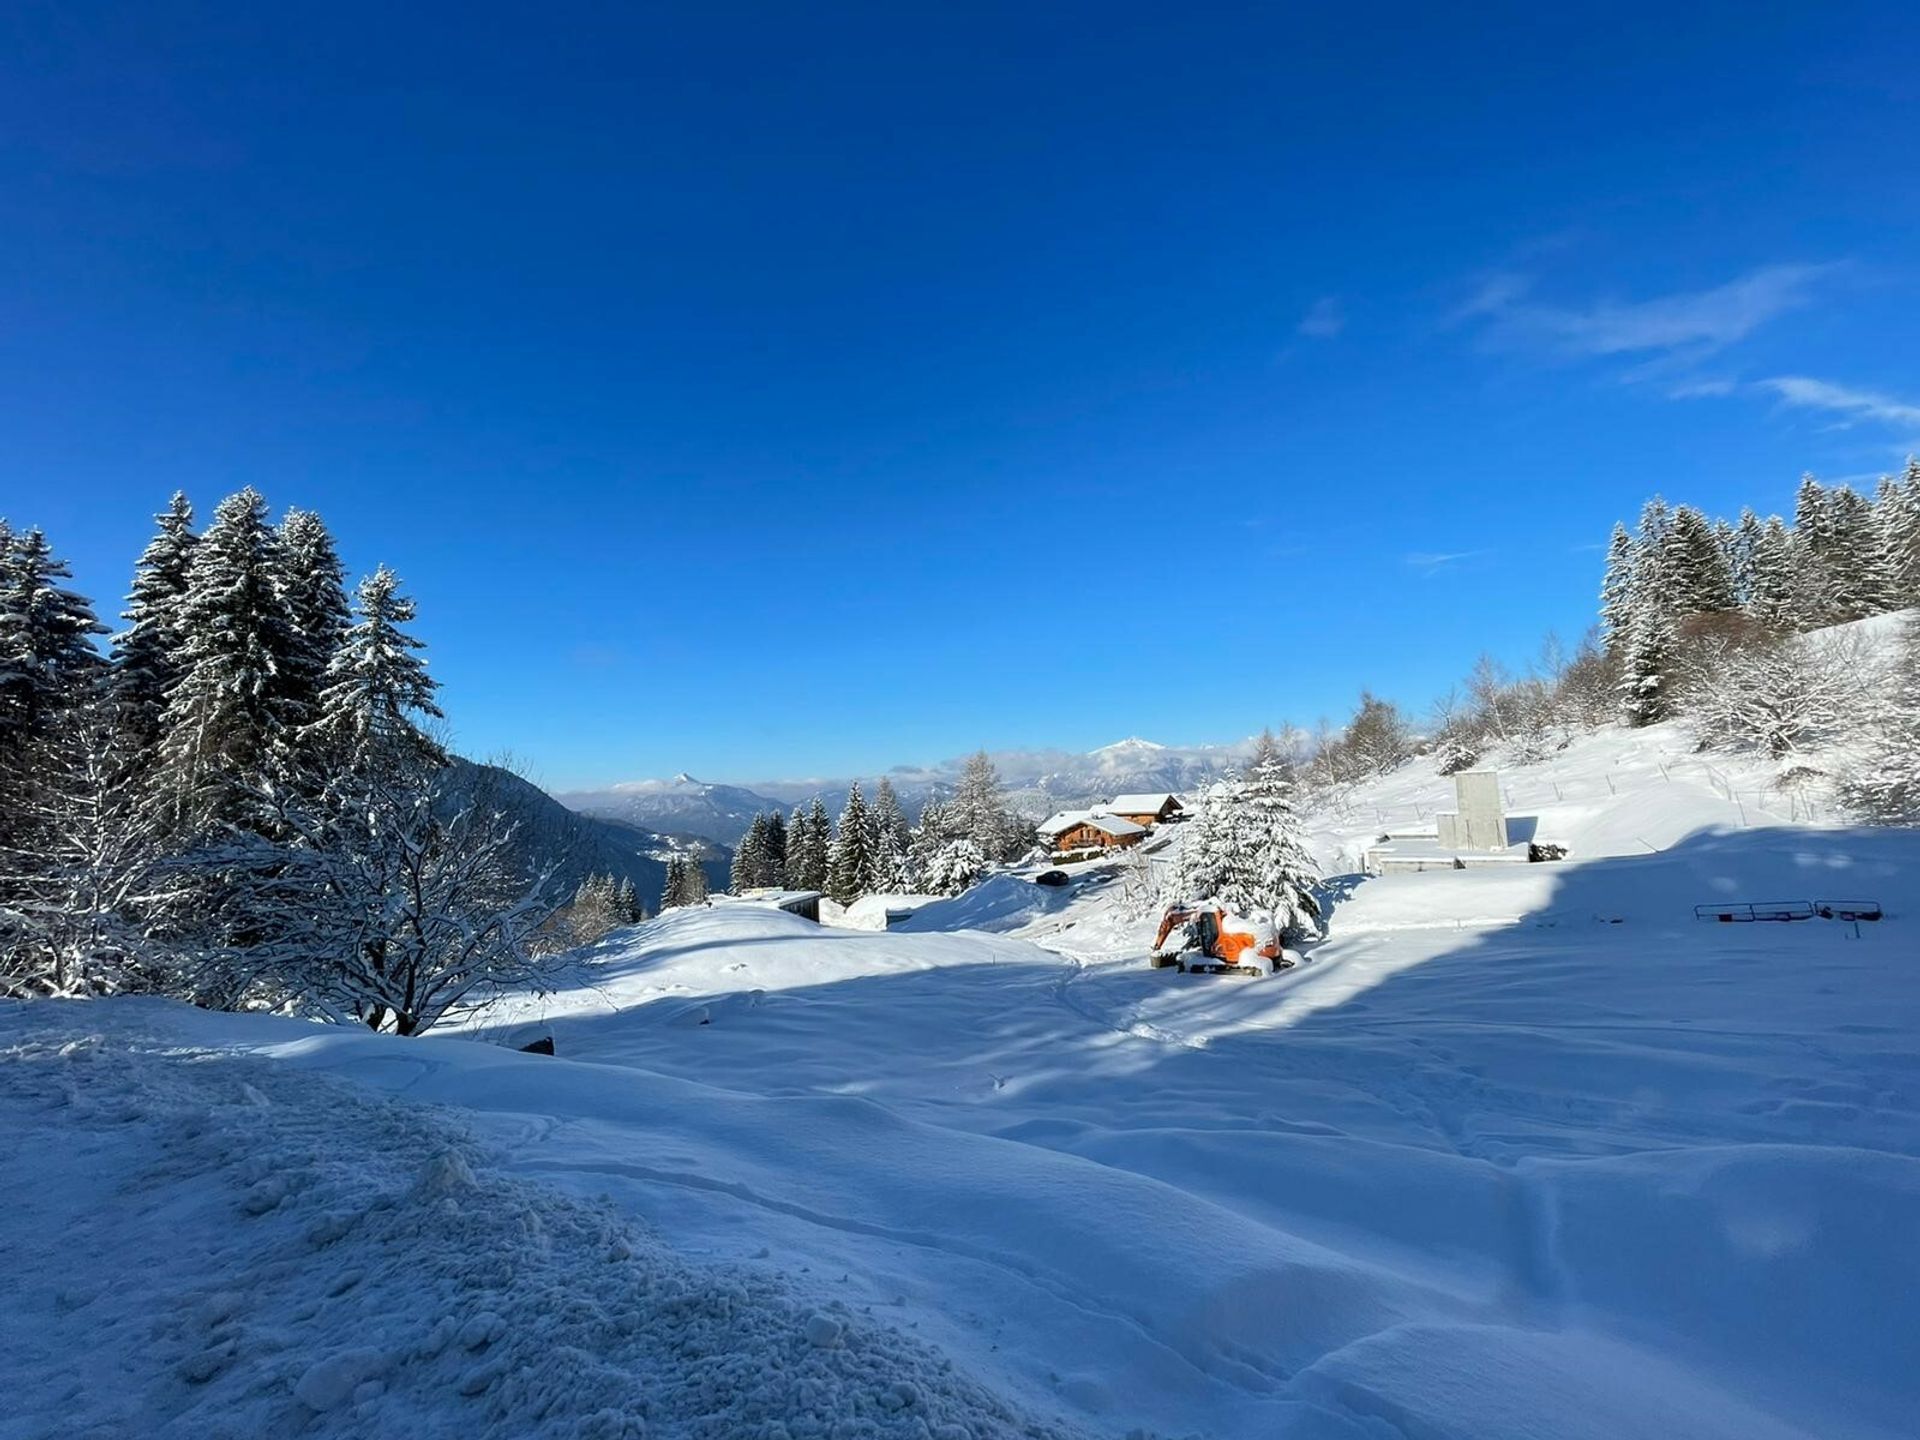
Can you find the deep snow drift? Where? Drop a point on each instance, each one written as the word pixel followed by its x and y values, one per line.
pixel 1526 1152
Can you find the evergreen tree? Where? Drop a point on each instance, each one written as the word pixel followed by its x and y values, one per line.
pixel 1695 576
pixel 1245 851
pixel 49 690
pixel 374 686
pixel 48 664
pixel 686 883
pixel 1897 518
pixel 144 653
pixel 850 862
pixel 1742 550
pixel 1815 543
pixel 1773 595
pixel 632 912
pixel 312 585
pixel 977 811
pixel 226 722
pixel 775 872
pixel 892 843
pixel 1617 590
pixel 1857 566
pixel 749 858
pixel 1647 680
pixel 1281 875
pixel 809 839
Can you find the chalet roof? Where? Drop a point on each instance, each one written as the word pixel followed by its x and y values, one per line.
pixel 1062 821
pixel 1140 804
pixel 1107 824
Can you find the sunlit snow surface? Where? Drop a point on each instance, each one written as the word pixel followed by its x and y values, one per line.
pixel 1526 1152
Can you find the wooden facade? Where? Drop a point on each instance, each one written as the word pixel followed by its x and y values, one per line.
pixel 1147 810
pixel 1092 835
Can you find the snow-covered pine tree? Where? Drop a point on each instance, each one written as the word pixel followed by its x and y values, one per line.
pixel 1646 681
pixel 1858 563
pixel 225 729
pixel 374 687
pixel 1696 579
pixel 1280 878
pixel 686 883
pixel 693 883
pixel 930 836
pixel 632 912
pixel 1815 542
pixel 978 810
pixel 1617 590
pixel 850 861
pixel 775 869
pixel 47 661
pixel 1746 541
pixel 809 841
pixel 1651 536
pixel 1773 595
pixel 312 585
pixel 749 857
pixel 892 842
pixel 1897 516
pixel 144 653
pixel 49 757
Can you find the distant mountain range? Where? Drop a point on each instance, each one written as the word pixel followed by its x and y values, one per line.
pixel 1037 783
pixel 575 845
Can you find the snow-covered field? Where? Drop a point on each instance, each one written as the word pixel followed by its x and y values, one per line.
pixel 1519 1152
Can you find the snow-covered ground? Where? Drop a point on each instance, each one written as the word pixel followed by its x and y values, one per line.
pixel 1519 1152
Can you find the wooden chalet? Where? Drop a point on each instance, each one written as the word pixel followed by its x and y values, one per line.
pixel 1147 810
pixel 1083 830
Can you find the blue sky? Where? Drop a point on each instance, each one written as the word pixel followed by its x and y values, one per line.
pixel 804 390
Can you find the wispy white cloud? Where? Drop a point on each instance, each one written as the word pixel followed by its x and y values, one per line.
pixel 1324 319
pixel 1810 394
pixel 1697 322
pixel 1428 562
pixel 1701 389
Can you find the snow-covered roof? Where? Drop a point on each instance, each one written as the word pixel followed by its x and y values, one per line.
pixel 1140 804
pixel 1110 824
pixel 780 898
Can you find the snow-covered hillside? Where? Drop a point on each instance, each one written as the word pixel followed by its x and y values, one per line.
pixel 1518 1152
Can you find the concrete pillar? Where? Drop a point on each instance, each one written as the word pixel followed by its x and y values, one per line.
pixel 1483 822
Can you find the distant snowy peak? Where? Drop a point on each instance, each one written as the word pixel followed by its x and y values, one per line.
pixel 680 806
pixel 1132 745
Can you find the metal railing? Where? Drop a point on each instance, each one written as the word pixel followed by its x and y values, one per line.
pixel 1744 912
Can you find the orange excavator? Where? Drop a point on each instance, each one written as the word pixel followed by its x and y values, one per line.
pixel 1215 941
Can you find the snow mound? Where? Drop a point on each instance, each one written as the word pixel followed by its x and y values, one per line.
pixel 997 904
pixel 336 1264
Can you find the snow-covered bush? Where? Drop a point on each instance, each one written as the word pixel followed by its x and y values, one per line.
pixel 1777 697
pixel 954 867
pixel 1455 753
pixel 381 905
pixel 1883 782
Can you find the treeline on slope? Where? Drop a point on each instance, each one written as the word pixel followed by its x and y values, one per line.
pixel 1704 621
pixel 238 803
pixel 872 850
